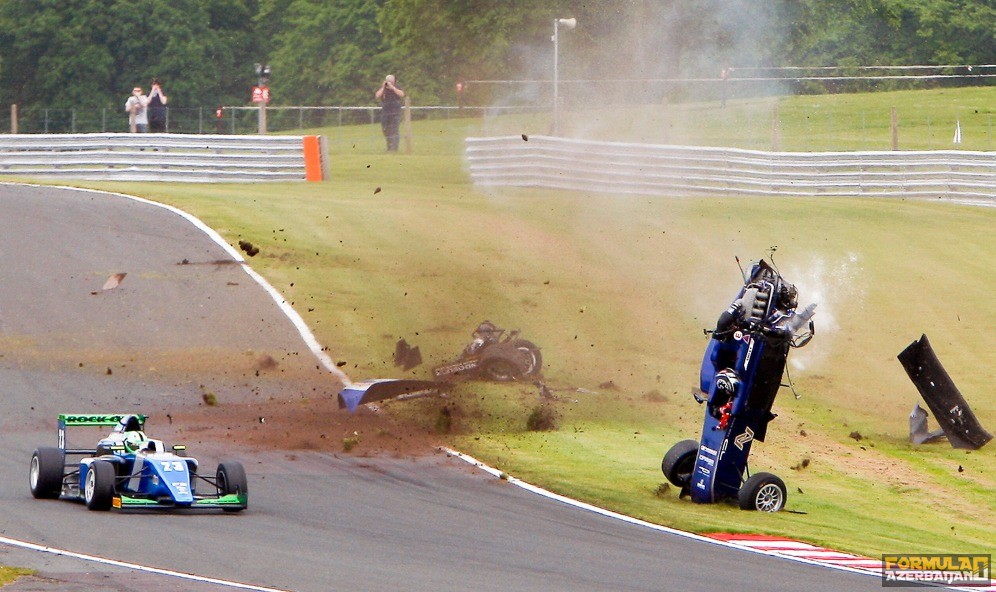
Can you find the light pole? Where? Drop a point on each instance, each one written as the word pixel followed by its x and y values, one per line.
pixel 569 24
pixel 262 78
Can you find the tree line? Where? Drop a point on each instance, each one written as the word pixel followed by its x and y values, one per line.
pixel 90 53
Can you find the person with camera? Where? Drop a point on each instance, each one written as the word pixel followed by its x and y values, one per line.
pixel 390 97
pixel 136 106
pixel 157 107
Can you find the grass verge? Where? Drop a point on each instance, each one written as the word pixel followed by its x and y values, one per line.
pixel 9 575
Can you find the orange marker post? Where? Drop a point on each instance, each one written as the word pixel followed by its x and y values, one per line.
pixel 313 159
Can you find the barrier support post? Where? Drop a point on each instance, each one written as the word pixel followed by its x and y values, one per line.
pixel 895 129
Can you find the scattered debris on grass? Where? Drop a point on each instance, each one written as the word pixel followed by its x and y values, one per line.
pixel 444 421
pixel 655 396
pixel 541 419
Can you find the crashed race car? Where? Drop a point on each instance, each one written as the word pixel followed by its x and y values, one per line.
pixel 740 376
pixel 129 470
pixel 493 355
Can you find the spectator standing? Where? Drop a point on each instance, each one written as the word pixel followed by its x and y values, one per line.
pixel 390 97
pixel 138 114
pixel 157 107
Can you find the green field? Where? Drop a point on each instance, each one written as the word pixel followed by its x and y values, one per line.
pixel 617 291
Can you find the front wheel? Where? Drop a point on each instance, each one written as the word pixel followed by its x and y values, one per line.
pixel 499 369
pixel 679 462
pixel 98 489
pixel 231 479
pixel 763 492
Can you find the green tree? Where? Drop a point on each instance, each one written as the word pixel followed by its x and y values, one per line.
pixel 323 52
pixel 83 53
pixel 437 43
pixel 86 53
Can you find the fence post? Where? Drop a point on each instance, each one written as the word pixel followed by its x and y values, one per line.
pixel 13 118
pixel 775 134
pixel 895 129
pixel 408 125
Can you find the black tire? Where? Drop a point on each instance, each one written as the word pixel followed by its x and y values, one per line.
pixel 500 369
pixel 531 355
pixel 763 492
pixel 45 475
pixel 231 479
pixel 679 462
pixel 98 487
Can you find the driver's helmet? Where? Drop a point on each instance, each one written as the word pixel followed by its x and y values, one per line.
pixel 788 296
pixel 133 441
pixel 486 328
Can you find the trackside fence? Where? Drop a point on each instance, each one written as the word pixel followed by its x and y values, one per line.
pixel 164 157
pixel 611 167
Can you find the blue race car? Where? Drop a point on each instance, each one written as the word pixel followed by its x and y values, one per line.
pixel 740 375
pixel 129 470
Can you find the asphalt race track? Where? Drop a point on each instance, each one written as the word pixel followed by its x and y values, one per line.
pixel 187 318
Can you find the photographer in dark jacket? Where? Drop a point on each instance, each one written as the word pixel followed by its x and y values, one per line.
pixel 390 98
pixel 157 100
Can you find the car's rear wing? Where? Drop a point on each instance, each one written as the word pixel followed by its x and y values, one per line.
pixel 72 420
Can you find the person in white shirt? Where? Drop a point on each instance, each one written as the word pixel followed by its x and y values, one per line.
pixel 138 115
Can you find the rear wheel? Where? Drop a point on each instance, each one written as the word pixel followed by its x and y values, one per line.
pixel 679 462
pixel 45 476
pixel 763 492
pixel 231 478
pixel 531 356
pixel 98 489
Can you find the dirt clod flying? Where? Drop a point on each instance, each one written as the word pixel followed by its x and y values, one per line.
pixel 248 248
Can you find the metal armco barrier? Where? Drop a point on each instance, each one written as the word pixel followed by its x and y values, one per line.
pixel 612 167
pixel 165 157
